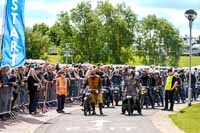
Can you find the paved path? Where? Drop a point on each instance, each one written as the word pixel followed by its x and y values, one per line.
pixel 25 123
pixel 112 122
pixel 152 121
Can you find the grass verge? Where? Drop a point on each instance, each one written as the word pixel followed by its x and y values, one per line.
pixel 188 119
pixel 184 60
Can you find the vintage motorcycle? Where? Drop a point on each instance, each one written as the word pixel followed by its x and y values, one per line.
pixel 106 97
pixel 129 104
pixel 116 94
pixel 87 106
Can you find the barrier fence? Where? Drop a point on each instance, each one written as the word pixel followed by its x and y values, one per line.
pixel 12 99
pixel 5 99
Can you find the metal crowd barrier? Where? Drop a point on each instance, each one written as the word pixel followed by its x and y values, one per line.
pixel 75 91
pixel 13 100
pixel 81 85
pixel 75 87
pixel 51 92
pixel 5 100
pixel 47 94
pixel 20 99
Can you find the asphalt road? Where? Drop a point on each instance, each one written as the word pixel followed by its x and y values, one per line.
pixel 113 121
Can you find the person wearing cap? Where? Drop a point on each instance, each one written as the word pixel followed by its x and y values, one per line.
pixel 170 89
pixel 94 83
pixel 61 91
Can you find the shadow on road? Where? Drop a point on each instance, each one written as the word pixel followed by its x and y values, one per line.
pixel 19 119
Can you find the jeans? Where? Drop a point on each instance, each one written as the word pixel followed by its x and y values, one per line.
pixel 161 94
pixel 178 95
pixel 151 96
pixel 23 95
pixel 183 91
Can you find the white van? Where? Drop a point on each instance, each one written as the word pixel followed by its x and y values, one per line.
pixel 196 49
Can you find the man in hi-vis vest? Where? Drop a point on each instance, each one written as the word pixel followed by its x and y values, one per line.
pixel 170 89
pixel 61 91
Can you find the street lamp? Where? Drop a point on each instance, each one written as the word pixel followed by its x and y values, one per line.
pixel 191 16
pixel 65 55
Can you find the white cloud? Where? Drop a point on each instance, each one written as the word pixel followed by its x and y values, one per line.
pixel 2 2
pixel 195 33
pixel 53 8
pixel 174 16
pixel 31 21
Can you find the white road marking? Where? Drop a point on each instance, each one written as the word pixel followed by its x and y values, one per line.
pixel 72 128
pixel 93 128
pixel 112 128
pixel 99 123
pixel 128 129
pixel 68 129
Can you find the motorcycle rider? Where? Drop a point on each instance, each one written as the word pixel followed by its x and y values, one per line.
pixel 94 83
pixel 133 88
pixel 107 84
pixel 116 80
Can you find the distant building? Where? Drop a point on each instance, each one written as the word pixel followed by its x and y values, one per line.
pixel 52 51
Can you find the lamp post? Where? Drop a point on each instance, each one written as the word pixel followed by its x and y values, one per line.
pixel 191 16
pixel 65 54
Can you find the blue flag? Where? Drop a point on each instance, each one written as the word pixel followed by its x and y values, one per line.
pixel 13 40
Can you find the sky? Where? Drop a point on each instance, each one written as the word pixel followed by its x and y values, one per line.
pixel 37 11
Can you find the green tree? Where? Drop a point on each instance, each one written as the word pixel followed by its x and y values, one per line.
pixel 41 27
pixel 61 33
pixel 118 30
pixel 159 42
pixel 36 44
pixel 87 43
pixel 55 34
